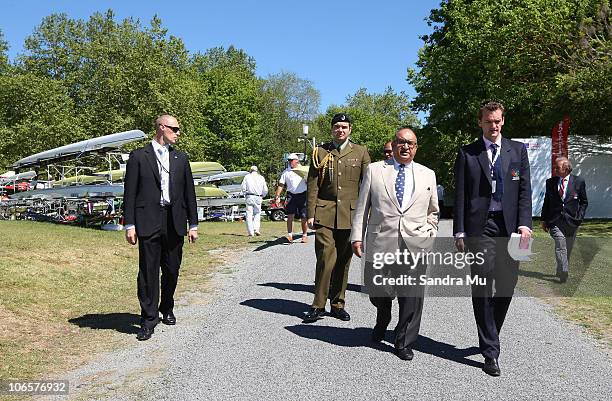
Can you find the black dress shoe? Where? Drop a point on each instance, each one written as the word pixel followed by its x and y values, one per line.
pixel 340 314
pixel 563 277
pixel 404 354
pixel 378 334
pixel 144 333
pixel 313 315
pixel 491 367
pixel 169 319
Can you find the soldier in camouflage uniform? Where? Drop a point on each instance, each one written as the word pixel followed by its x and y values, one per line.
pixel 333 188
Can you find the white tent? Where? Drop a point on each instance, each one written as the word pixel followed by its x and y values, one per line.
pixel 592 161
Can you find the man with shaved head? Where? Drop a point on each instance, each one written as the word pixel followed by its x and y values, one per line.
pixel 159 200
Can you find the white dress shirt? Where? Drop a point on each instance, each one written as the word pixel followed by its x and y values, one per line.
pixel 162 155
pixel 565 181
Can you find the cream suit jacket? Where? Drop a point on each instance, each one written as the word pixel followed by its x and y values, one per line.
pixel 379 212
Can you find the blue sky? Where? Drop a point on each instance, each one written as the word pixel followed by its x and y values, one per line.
pixel 340 46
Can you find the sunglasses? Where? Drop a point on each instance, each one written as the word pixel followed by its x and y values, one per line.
pixel 174 129
pixel 388 151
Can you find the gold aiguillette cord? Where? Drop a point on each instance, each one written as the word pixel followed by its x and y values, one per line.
pixel 327 162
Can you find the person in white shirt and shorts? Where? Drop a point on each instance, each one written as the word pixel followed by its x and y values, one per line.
pixel 295 185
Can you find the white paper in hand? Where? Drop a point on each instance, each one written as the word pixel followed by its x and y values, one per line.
pixel 519 250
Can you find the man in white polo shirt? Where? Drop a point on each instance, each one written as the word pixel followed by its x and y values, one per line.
pixel 296 196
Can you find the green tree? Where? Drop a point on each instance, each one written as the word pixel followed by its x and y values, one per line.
pixel 584 91
pixel 37 115
pixel 516 51
pixel 3 57
pixel 288 101
pixel 438 150
pixel 230 124
pixel 118 74
pixel 376 118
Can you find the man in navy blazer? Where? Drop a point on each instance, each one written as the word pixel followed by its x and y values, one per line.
pixel 565 204
pixel 492 200
pixel 159 199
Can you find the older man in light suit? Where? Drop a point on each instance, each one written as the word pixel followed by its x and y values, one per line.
pixel 398 205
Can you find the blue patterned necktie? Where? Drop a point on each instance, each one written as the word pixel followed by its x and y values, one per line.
pixel 399 184
pixel 496 174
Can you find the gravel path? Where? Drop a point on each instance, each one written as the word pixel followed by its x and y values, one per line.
pixel 248 342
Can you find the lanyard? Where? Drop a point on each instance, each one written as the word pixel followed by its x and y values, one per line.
pixel 161 164
pixel 494 159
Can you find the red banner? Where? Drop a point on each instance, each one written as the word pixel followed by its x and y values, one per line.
pixel 559 139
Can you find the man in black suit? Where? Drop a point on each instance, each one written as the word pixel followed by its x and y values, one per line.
pixel 565 204
pixel 159 199
pixel 492 200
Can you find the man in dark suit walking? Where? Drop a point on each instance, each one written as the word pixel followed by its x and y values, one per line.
pixel 159 199
pixel 492 200
pixel 565 204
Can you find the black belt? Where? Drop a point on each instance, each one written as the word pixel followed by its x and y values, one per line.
pixel 167 207
pixel 493 213
pixel 293 193
pixel 247 194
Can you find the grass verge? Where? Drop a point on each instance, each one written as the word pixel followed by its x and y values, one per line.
pixel 586 298
pixel 67 293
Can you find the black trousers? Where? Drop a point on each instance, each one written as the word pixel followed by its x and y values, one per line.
pixel 491 301
pixel 409 321
pixel 410 300
pixel 165 250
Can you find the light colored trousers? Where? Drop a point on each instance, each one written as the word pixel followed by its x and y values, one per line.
pixel 253 213
pixel 564 236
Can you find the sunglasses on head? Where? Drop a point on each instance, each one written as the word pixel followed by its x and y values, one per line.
pixel 174 129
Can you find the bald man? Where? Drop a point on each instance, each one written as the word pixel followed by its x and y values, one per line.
pixel 159 200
